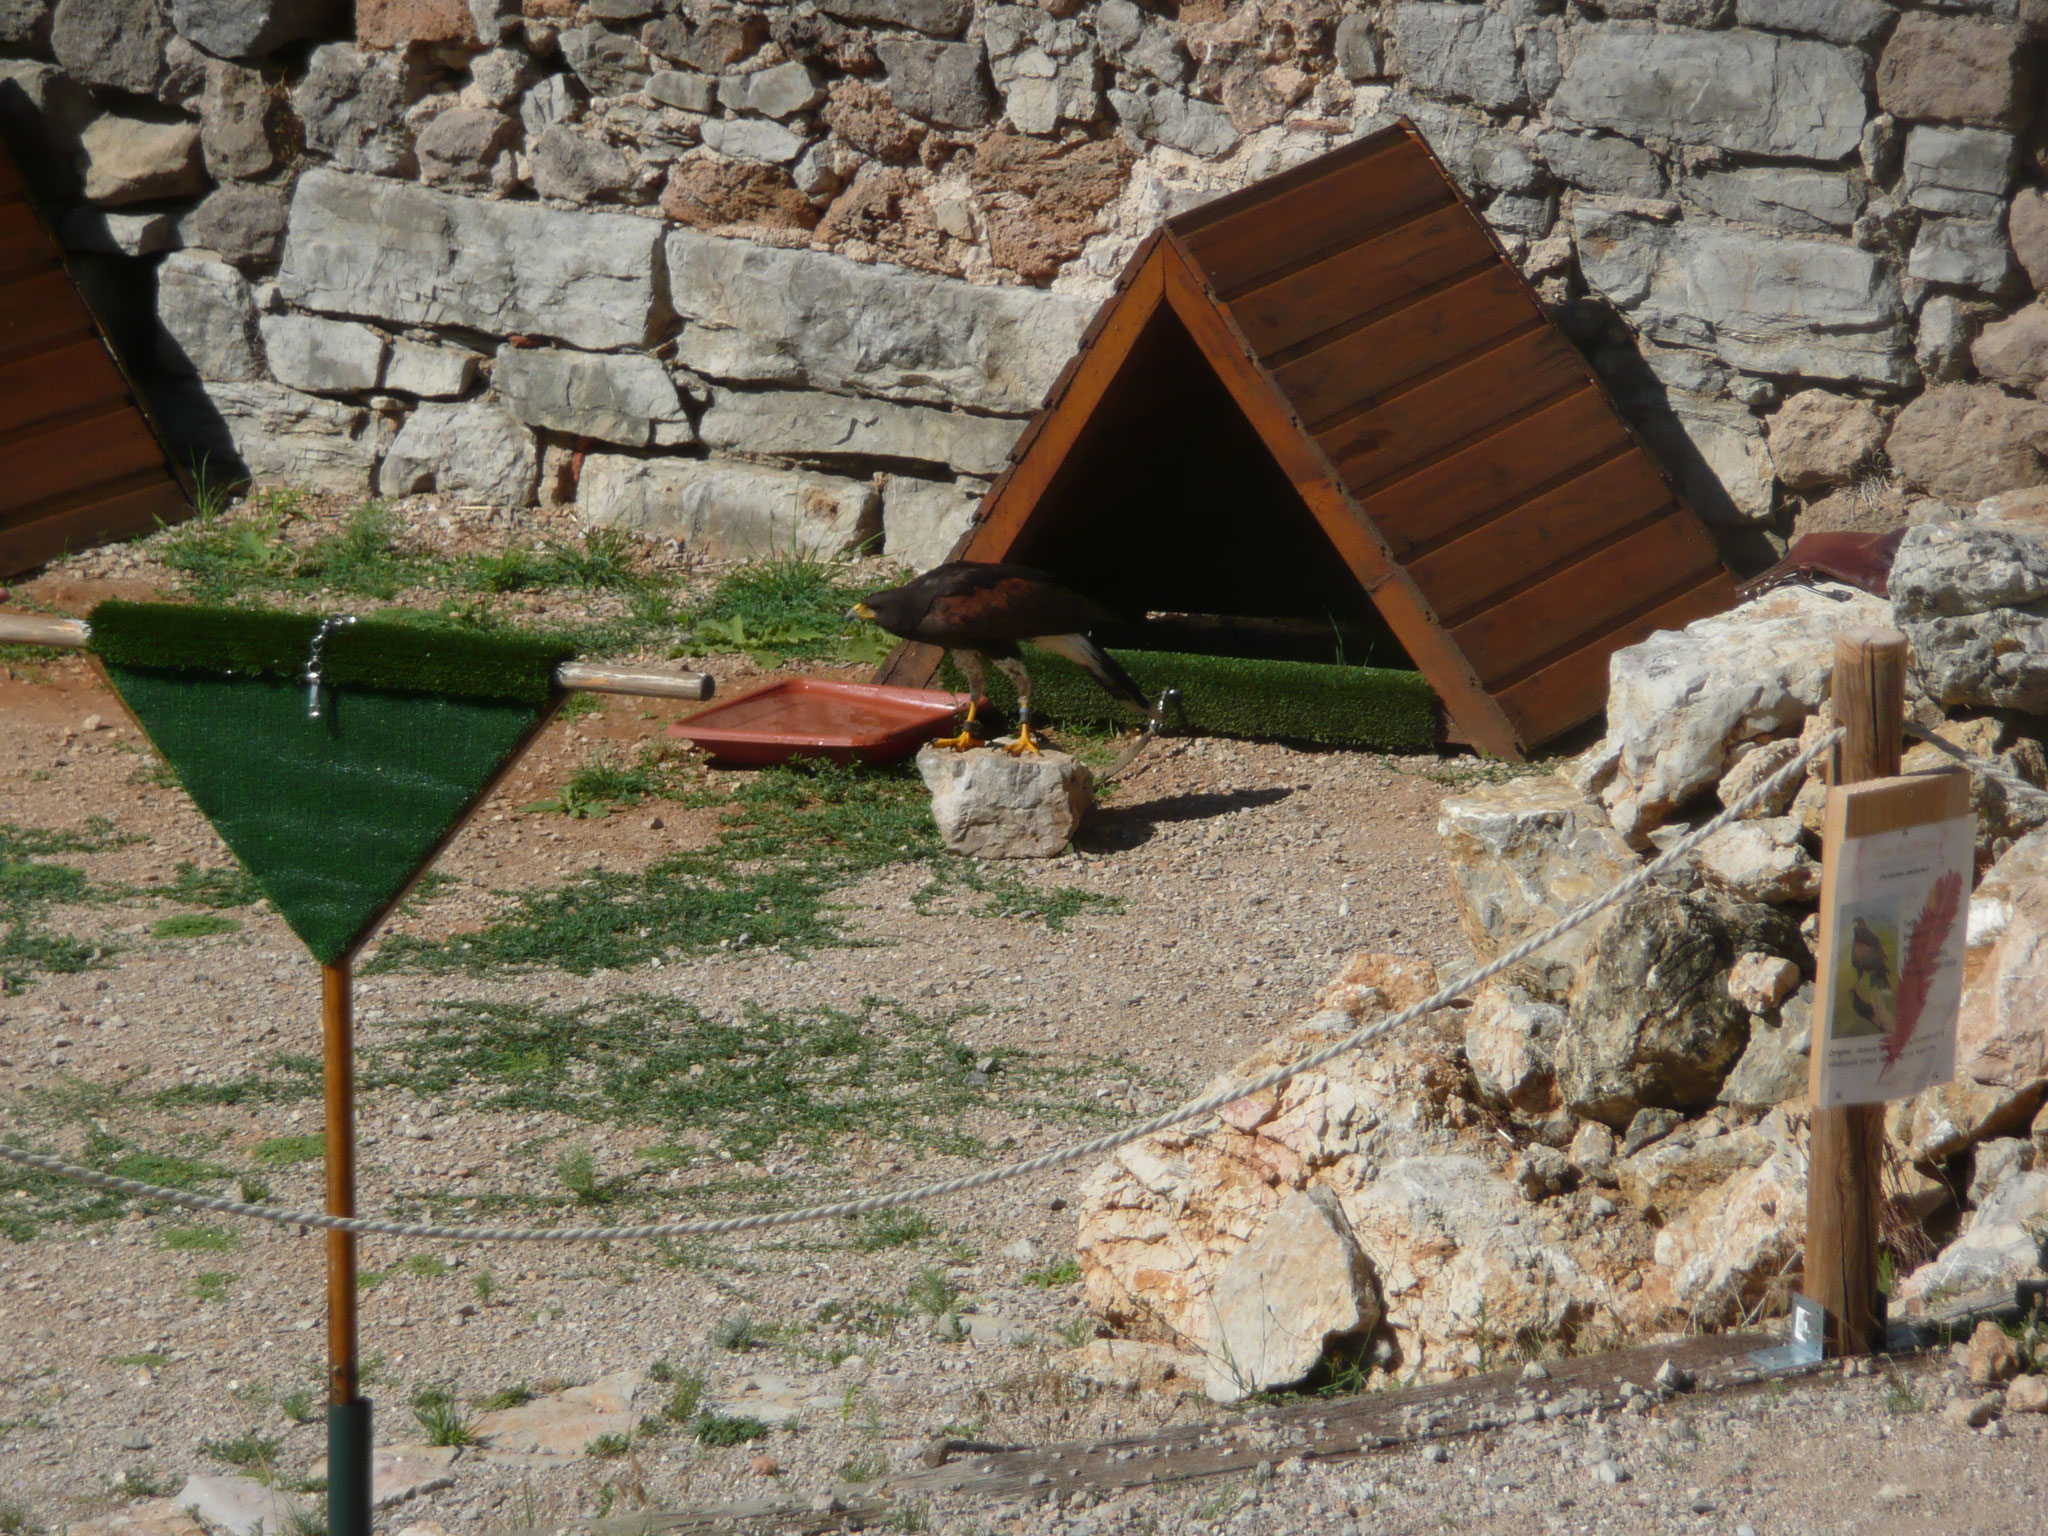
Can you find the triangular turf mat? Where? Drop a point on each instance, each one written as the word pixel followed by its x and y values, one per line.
pixel 333 814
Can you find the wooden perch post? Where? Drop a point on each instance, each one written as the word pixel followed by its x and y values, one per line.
pixel 1844 1187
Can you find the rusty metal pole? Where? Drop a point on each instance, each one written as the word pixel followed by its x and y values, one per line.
pixel 348 1411
pixel 1844 1188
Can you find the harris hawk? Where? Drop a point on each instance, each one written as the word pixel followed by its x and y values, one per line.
pixel 980 612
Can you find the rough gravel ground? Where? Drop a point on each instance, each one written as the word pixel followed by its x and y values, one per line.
pixel 1249 873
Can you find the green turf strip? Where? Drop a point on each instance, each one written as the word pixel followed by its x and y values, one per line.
pixel 400 658
pixel 1377 708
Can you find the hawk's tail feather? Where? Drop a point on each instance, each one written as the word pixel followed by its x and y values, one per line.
pixel 1098 663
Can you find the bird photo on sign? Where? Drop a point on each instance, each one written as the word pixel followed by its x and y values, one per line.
pixel 1893 907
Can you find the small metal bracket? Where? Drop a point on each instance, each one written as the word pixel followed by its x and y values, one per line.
pixel 313 653
pixel 1806 1343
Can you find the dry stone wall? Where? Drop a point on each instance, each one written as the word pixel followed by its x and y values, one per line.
pixel 798 272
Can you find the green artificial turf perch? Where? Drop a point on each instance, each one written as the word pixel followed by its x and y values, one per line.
pixel 332 814
pixel 1380 709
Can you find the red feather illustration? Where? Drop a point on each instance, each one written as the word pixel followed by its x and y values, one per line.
pixel 1924 947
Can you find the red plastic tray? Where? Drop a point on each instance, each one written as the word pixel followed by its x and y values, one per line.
pixel 815 717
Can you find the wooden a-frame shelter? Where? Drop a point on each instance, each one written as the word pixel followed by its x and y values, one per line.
pixel 1332 392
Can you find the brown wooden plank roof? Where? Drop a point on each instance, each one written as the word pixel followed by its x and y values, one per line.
pixel 80 462
pixel 1457 450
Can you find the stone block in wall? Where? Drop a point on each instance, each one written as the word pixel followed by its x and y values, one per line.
pixel 1150 46
pixel 1838 21
pixel 396 23
pixel 806 424
pixel 715 41
pixel 1788 197
pixel 782 90
pixel 938 83
pixel 135 159
pixel 1717 452
pixel 1957 69
pixel 1459 52
pixel 2014 351
pixel 274 435
pixel 684 90
pixel 758 315
pixel 324 357
pixel 1809 308
pixel 1750 92
pixel 468 147
pixel 244 222
pixel 1045 67
pixel 727 510
pixel 607 63
pixel 1963 253
pixel 240 123
pixel 1941 341
pixel 247 29
pixel 475 450
pixel 580 168
pixel 207 320
pixel 1820 440
pixel 1602 163
pixel 1964 442
pixel 25 24
pixel 384 250
pixel 934 18
pixel 2026 228
pixel 706 192
pixel 753 138
pixel 351 106
pixel 430 371
pixel 1963 171
pixel 614 397
pixel 43 111
pixel 109 232
pixel 118 45
pixel 923 519
pixel 1155 114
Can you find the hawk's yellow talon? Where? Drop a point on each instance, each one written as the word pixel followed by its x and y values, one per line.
pixel 966 741
pixel 1024 743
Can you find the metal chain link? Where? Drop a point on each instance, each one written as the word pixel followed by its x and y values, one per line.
pixel 1100 1146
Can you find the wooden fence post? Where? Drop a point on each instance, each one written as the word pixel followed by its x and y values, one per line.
pixel 1844 1189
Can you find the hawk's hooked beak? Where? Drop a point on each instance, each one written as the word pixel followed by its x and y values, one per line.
pixel 861 611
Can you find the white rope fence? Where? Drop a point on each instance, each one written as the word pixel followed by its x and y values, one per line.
pixel 1100 1146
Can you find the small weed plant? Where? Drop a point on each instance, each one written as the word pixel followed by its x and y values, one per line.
pixel 726 1429
pixel 1066 1272
pixel 892 1229
pixel 250 1451
pixel 933 1294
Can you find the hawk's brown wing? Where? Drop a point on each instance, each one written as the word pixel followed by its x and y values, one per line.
pixel 998 602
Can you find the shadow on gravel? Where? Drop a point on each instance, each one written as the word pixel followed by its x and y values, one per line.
pixel 1115 827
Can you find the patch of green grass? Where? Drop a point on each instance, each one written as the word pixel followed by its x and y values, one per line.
pixel 579 1176
pixel 297 1405
pixel 146 1483
pixel 725 1429
pixel 428 1266
pixel 212 1285
pixel 30 887
pixel 609 1447
pixel 194 925
pixel 789 607
pixel 16 1518
pixel 281 1150
pixel 505 1397
pixel 605 785
pixel 933 1294
pixel 485 1284
pixel 247 553
pixel 232 886
pixel 30 1200
pixel 1066 1272
pixel 148 1360
pixel 442 1420
pixel 197 1239
pixel 865 1467
pixel 253 1191
pixel 603 562
pixel 370 1279
pixel 685 1397
pixel 892 1229
pixel 251 1451
pixel 739 1332
pixel 791 836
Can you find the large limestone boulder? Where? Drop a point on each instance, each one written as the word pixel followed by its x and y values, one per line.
pixel 475 449
pixel 1730 1254
pixel 2002 1028
pixel 1762 859
pixel 1652 1022
pixel 1297 1290
pixel 727 509
pixel 1521 855
pixel 1681 703
pixel 276 435
pixel 1972 597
